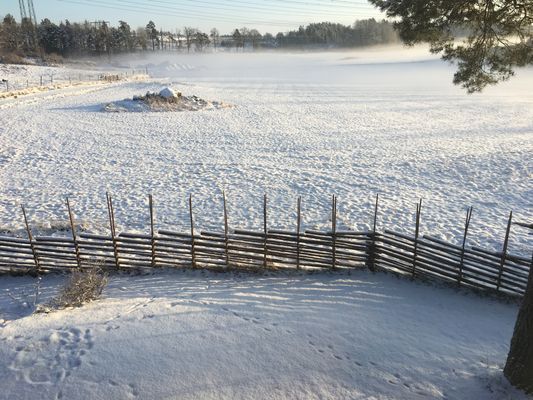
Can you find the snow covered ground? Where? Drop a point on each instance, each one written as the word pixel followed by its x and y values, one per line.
pixel 353 124
pixel 204 335
pixel 308 124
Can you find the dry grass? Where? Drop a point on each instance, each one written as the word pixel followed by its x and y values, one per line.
pixel 82 287
pixel 12 58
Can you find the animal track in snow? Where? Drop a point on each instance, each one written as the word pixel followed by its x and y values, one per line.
pixel 51 359
pixel 131 309
pixel 129 388
pixel 329 347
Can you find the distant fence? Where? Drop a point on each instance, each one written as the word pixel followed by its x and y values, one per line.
pixel 417 256
pixel 51 79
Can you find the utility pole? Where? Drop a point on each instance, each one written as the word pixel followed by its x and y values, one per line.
pixel 31 10
pixel 22 7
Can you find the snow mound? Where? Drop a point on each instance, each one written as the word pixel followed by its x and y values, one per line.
pixel 166 100
pixel 168 93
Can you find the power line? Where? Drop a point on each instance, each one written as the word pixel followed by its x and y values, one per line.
pixel 253 5
pixel 229 7
pixel 144 10
pixel 166 11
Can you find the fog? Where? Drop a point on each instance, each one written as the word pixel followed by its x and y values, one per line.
pixel 407 68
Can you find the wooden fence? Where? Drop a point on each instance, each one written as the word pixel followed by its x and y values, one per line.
pixel 417 256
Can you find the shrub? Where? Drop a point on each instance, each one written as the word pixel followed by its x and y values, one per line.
pixel 53 58
pixel 82 287
pixel 12 58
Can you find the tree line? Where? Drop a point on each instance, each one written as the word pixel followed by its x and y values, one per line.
pixel 99 37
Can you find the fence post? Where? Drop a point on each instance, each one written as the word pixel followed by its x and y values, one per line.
pixel 193 255
pixel 41 81
pixel 152 231
pixel 111 214
pixel 504 251
pixel 30 237
pixel 334 232
pixel 265 230
pixel 226 229
pixel 298 227
pixel 461 262
pixel 73 229
pixel 371 262
pixel 417 231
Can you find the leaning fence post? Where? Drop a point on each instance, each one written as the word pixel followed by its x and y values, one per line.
pixel 226 229
pixel 333 231
pixel 265 230
pixel 152 234
pixel 371 262
pixel 193 255
pixel 504 251
pixel 30 237
pixel 461 262
pixel 417 231
pixel 74 239
pixel 111 214
pixel 298 227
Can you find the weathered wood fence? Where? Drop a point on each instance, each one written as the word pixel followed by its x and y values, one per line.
pixel 417 256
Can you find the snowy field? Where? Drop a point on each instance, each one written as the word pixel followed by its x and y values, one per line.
pixel 201 335
pixel 353 124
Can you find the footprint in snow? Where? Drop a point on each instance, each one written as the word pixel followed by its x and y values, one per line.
pixel 51 359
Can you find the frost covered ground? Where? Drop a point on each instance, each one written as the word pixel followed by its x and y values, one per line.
pixel 353 124
pixel 303 124
pixel 204 335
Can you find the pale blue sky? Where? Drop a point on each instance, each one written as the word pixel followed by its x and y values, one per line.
pixel 266 15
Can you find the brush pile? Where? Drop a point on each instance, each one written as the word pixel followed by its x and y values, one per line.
pixel 165 100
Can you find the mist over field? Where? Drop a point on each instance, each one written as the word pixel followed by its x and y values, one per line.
pixel 354 123
pixel 381 120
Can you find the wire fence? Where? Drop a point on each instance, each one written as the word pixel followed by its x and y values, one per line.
pixel 47 80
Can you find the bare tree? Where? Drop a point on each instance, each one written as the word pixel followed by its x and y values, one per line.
pixel 189 34
pixel 215 36
pixel 202 40
pixel 255 38
pixel 245 34
pixel 237 39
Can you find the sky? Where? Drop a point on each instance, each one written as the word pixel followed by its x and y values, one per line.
pixel 226 15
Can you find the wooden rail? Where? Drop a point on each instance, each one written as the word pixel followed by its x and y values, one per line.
pixel 417 256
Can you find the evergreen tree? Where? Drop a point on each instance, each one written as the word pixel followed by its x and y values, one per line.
pixel 10 33
pixel 151 32
pixel 499 35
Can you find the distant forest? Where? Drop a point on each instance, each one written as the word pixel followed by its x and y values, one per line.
pixel 68 39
